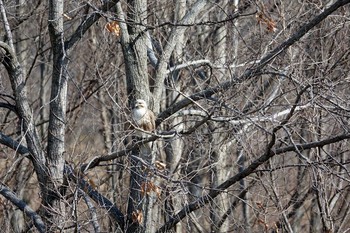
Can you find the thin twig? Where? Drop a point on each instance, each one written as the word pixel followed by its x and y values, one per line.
pixel 6 25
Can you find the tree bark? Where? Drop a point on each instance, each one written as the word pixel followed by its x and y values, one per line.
pixel 220 151
pixel 53 194
pixel 176 32
pixel 134 45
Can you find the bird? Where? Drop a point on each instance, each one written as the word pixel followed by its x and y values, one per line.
pixel 143 117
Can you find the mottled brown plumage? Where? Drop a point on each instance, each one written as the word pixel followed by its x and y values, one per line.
pixel 142 116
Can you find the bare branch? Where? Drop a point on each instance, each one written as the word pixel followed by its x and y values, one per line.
pixel 257 68
pixel 86 24
pixel 8 106
pixel 250 169
pixel 11 196
pixel 175 33
pixel 97 160
pixel 103 202
pixel 269 153
pixel 240 196
pixel 6 25
pixel 205 62
pixel 272 118
pixel 187 64
pixel 23 108
pixel 300 33
pixel 95 195
pixel 92 209
pixel 9 142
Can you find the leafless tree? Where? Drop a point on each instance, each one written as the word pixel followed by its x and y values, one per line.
pixel 252 107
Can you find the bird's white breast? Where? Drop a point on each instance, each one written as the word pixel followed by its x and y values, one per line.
pixel 138 114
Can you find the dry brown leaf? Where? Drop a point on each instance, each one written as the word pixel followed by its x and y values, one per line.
pixel 157 191
pixel 262 222
pixel 137 216
pixel 92 183
pixel 159 165
pixel 148 187
pixel 266 20
pixel 260 205
pixel 113 27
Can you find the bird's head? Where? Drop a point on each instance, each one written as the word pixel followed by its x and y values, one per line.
pixel 140 104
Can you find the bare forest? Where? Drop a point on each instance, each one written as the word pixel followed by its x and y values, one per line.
pixel 247 105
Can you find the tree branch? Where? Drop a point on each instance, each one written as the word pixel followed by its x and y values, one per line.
pixel 250 169
pixel 187 64
pixel 6 25
pixel 9 107
pixel 95 195
pixel 103 202
pixel 171 42
pixel 11 196
pixel 23 108
pixel 269 153
pixel 300 33
pixel 92 209
pixel 271 118
pixel 86 24
pixel 9 142
pixel 257 68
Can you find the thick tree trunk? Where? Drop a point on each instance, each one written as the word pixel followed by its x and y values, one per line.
pixel 53 193
pixel 24 112
pixel 134 41
pixel 17 219
pixel 220 155
pixel 134 45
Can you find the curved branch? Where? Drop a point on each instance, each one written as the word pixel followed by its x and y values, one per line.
pixel 23 108
pixel 98 159
pixel 103 202
pixel 250 169
pixel 269 153
pixel 92 209
pixel 8 54
pixel 11 196
pixel 9 107
pixel 187 64
pixel 86 24
pixel 9 142
pixel 6 25
pixel 175 33
pixel 257 68
pixel 95 195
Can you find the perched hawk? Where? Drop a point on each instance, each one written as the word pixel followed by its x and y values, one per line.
pixel 142 116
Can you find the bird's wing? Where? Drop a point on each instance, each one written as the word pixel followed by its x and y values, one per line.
pixel 149 121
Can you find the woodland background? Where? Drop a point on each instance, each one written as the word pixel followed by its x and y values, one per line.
pixel 252 104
